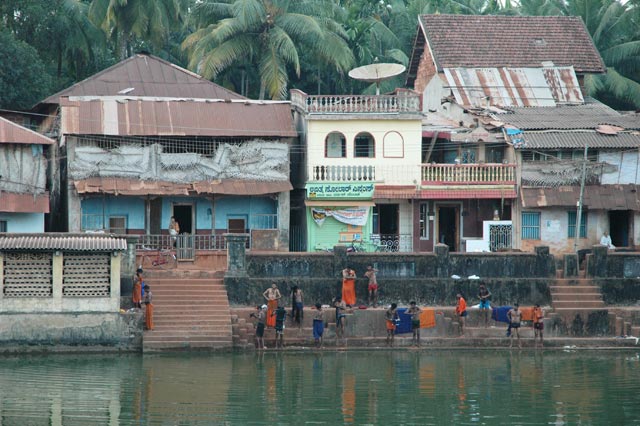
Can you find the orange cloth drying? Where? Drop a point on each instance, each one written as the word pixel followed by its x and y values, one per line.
pixel 349 291
pixel 527 314
pixel 427 318
pixel 148 316
pixel 272 305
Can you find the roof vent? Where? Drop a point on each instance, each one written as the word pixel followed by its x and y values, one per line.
pixel 539 42
pixel 127 90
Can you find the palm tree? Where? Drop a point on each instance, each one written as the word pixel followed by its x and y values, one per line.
pixel 268 37
pixel 127 22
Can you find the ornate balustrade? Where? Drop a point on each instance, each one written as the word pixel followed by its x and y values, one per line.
pixel 469 173
pixel 404 101
pixel 342 173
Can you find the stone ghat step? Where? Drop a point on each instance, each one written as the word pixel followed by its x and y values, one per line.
pixel 184 303
pixel 560 297
pixel 178 345
pixel 190 328
pixel 183 274
pixel 196 316
pixel 185 286
pixel 584 304
pixel 191 295
pixel 574 289
pixel 191 336
pixel 197 319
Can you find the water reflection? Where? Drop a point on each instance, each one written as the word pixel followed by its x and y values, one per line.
pixel 436 387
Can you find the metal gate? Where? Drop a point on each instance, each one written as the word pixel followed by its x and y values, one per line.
pixel 185 247
pixel 500 237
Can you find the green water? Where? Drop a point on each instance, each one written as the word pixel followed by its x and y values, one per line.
pixel 431 387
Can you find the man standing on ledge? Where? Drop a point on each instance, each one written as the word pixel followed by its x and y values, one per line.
pixel 373 284
pixel 538 324
pixel 461 312
pixel 414 311
pixel 391 316
pixel 272 295
pixel 515 318
pixel 485 296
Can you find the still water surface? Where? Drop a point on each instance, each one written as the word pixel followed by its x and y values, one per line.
pixel 431 387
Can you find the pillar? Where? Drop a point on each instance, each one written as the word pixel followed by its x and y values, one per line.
pixel 1 276
pixel 442 260
pixel 114 290
pixel 570 265
pixel 236 254
pixel 597 265
pixel 284 217
pixel 56 275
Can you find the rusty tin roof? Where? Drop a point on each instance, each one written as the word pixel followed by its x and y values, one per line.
pixel 145 75
pixel 577 140
pixel 596 197
pixel 63 242
pixel 11 132
pixel 134 116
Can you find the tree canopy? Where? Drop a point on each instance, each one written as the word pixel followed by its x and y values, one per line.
pixel 263 48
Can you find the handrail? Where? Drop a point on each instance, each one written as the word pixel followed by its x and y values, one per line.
pixel 401 102
pixel 469 173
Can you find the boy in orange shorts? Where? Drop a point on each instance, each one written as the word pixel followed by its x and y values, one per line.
pixel 391 316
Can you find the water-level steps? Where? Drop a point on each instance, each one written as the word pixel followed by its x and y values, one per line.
pixel 575 293
pixel 191 311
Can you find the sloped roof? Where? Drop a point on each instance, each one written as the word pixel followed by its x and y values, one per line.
pixel 11 132
pixel 65 242
pixel 596 197
pixel 147 75
pixel 562 117
pixel 132 116
pixel 508 41
pixel 576 140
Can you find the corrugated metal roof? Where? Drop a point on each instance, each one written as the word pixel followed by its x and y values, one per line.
pixel 596 197
pixel 140 187
pixel 575 139
pixel 529 87
pixel 509 41
pixel 587 116
pixel 24 203
pixel 11 132
pixel 147 75
pixel 63 242
pixel 128 116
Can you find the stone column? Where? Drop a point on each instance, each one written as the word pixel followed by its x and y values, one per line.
pixel 128 266
pixel 442 260
pixel 57 271
pixel 236 254
pixel 545 262
pixel 570 265
pixel 284 215
pixel 597 266
pixel 1 275
pixel 114 298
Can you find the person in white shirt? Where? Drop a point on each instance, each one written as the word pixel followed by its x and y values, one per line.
pixel 606 241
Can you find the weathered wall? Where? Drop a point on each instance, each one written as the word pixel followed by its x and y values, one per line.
pixel 49 332
pixel 425 278
pixel 23 169
pixel 23 222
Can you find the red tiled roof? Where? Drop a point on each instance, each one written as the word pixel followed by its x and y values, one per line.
pixel 11 132
pixel 139 187
pixel 64 242
pixel 147 75
pixel 509 41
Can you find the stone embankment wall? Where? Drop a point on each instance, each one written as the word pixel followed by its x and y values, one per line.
pixel 617 274
pixel 424 277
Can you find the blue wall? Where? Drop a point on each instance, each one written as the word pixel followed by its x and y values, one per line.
pixel 131 207
pixel 243 207
pixel 23 222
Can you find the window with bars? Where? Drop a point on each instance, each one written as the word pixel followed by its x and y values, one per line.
pixel 3 226
pixel 530 225
pixel 572 224
pixel 424 221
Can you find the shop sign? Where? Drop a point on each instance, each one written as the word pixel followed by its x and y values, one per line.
pixel 351 191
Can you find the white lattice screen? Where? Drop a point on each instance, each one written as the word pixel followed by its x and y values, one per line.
pixel 86 275
pixel 28 275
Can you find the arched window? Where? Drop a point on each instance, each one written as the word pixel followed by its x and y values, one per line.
pixel 364 146
pixel 393 145
pixel 335 145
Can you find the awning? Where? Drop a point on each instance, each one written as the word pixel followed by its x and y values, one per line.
pixel 66 242
pixel 596 197
pixel 401 192
pixel 24 203
pixel 342 203
pixel 138 187
pixel 457 194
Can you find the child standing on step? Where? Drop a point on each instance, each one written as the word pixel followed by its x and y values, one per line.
pixel 148 313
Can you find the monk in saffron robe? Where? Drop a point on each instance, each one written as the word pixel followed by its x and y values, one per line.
pixel 272 295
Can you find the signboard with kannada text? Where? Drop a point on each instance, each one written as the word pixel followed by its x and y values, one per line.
pixel 346 191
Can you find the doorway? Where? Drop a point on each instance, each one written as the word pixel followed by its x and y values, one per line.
pixel 184 216
pixel 388 227
pixel 448 224
pixel 619 225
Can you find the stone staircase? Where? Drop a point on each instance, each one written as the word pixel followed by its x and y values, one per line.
pixel 575 293
pixel 191 311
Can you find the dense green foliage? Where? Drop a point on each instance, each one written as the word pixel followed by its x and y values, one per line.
pixel 263 48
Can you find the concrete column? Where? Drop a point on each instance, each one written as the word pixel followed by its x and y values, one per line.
pixel 114 291
pixel 128 266
pixel 597 265
pixel 56 275
pixel 442 260
pixel 284 216
pixel 74 207
pixel 236 254
pixel 1 276
pixel 545 262
pixel 570 265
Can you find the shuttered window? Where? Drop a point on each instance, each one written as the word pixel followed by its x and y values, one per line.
pixel 530 225
pixel 572 224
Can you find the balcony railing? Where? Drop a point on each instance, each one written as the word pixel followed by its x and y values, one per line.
pixel 404 101
pixel 469 173
pixel 196 242
pixel 343 173
pixel 264 221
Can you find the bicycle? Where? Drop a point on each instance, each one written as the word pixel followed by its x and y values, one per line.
pixel 161 257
